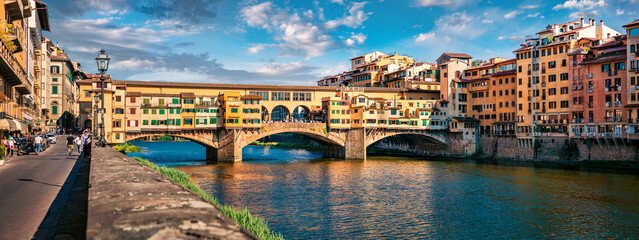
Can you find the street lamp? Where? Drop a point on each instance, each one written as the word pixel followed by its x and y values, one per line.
pixel 96 99
pixel 103 64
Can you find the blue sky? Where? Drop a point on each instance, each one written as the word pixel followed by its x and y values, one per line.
pixel 296 42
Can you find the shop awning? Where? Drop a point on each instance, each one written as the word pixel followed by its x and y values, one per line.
pixel 4 124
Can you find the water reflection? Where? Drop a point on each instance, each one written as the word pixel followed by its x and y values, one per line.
pixel 407 199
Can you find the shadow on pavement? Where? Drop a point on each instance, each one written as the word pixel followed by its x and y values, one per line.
pixel 35 181
pixel 67 216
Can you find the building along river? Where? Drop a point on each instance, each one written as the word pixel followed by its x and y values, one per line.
pixel 305 197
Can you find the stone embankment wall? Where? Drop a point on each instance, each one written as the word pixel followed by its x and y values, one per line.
pixel 130 201
pixel 559 149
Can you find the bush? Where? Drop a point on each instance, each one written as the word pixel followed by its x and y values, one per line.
pixel 126 147
pixel 2 151
pixel 243 217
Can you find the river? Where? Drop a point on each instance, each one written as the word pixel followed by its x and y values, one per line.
pixel 305 197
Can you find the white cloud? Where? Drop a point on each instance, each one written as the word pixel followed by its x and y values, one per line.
pixel 338 1
pixel 308 14
pixel 580 4
pixel 620 11
pixel 258 15
pixel 133 63
pixel 512 38
pixel 531 6
pixel 353 19
pixel 256 48
pixel 279 68
pixel 535 15
pixel 355 39
pixel 459 24
pixel 295 35
pixel 512 14
pixel 588 14
pixel 424 36
pixel 442 3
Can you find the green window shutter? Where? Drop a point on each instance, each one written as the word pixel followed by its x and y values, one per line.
pixel 54 109
pixel 145 111
pixel 145 122
pixel 177 122
pixel 146 100
pixel 171 111
pixel 197 121
pixel 153 111
pixel 176 101
pixel 213 120
pixel 54 89
pixel 154 122
pixel 161 101
pixel 177 111
pixel 204 121
pixel 234 110
pixel 55 80
pixel 161 111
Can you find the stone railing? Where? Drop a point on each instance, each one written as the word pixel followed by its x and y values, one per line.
pixel 130 201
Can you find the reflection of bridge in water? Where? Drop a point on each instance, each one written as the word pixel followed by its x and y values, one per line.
pixel 227 144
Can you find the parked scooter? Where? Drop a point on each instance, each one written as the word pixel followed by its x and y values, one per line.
pixel 25 146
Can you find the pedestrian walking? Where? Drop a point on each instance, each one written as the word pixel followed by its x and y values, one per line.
pixel 86 144
pixel 37 142
pixel 78 143
pixel 12 144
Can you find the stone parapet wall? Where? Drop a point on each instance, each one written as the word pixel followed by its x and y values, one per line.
pixel 130 201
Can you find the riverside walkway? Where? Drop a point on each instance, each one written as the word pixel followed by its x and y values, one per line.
pixel 130 201
pixel 28 186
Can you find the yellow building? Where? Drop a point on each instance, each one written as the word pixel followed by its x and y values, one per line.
pixel 139 107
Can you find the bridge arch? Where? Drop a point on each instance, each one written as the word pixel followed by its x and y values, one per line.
pixel 280 113
pixel 204 139
pixel 301 113
pixel 436 137
pixel 319 137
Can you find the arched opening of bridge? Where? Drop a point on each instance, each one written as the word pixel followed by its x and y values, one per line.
pixel 170 149
pixel 408 144
pixel 280 114
pixel 290 146
pixel 301 114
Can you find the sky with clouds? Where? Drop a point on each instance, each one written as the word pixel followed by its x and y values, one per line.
pixel 296 42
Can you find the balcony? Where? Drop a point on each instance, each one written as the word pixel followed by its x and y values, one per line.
pixel 13 73
pixel 16 39
pixel 17 9
pixel 589 76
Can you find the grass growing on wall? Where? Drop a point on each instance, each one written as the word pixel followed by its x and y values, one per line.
pixel 243 217
pixel 126 147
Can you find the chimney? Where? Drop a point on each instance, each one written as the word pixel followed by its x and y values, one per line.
pixel 601 22
pixel 582 22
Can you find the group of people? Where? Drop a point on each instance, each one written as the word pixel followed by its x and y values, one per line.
pixel 12 143
pixel 82 143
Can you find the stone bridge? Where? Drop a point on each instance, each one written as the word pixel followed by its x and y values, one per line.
pixel 226 144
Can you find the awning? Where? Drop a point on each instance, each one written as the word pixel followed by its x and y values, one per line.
pixel 4 125
pixel 20 126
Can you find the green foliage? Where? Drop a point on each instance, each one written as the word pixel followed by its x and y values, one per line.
pixel 2 151
pixel 163 138
pixel 126 147
pixel 6 29
pixel 243 217
pixel 288 145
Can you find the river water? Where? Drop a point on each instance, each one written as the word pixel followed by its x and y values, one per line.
pixel 305 197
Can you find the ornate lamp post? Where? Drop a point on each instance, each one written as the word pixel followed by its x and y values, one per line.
pixel 103 64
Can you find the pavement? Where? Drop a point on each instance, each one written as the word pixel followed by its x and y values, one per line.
pixel 28 186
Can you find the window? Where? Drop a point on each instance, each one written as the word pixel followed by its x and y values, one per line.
pixel 234 110
pixel 162 111
pixel 564 104
pixel 154 111
pixel 564 90
pixel 161 101
pixel 146 100
pixel 132 100
pixel 55 69
pixel 145 122
pixel 188 121
pixel 213 120
pixel 54 80
pixel 552 64
pixel 54 108
pixel 552 105
pixel 132 110
pixel 633 48
pixel 563 76
pixel 87 93
pixel 118 98
pixel 119 111
pixel 175 101
pixel 280 96
pixel 187 101
pixel 552 91
pixel 54 89
pixel 552 78
pixel 145 111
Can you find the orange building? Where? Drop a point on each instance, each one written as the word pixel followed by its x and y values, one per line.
pixel 599 89
pixel 632 78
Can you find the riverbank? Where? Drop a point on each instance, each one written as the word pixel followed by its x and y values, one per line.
pixel 602 166
pixel 243 217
